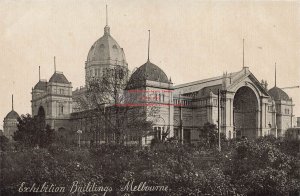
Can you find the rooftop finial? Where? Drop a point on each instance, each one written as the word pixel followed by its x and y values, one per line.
pixel 106 16
pixel 106 28
pixel 243 52
pixel 275 74
pixel 149 46
pixel 54 65
pixel 39 73
pixel 12 101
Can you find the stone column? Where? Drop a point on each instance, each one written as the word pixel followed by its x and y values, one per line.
pixel 228 107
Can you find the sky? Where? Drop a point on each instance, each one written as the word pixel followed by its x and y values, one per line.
pixel 190 40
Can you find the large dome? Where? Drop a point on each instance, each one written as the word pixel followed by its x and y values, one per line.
pixel 106 51
pixel 147 71
pixel 278 94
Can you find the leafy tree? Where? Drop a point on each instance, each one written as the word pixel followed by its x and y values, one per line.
pixel 66 138
pixel 209 136
pixel 255 167
pixel 258 167
pixel 107 102
pixel 4 143
pixel 32 132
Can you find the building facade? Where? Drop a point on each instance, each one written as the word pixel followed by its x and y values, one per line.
pixel 237 102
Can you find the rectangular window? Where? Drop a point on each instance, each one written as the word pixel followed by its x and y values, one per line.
pixel 270 108
pixel 61 109
pixel 287 111
pixel 215 102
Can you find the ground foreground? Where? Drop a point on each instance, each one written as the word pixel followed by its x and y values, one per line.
pixel 265 166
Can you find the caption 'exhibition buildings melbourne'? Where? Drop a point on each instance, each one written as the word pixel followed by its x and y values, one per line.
pixel 243 105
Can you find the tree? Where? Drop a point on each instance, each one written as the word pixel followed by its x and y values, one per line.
pixel 106 101
pixel 4 143
pixel 32 132
pixel 65 138
pixel 258 167
pixel 209 135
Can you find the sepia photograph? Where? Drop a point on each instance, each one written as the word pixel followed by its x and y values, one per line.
pixel 150 97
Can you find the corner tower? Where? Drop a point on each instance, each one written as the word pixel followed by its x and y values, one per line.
pixel 150 89
pixel 52 100
pixel 104 54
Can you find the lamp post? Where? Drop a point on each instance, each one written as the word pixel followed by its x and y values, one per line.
pixel 219 134
pixel 79 133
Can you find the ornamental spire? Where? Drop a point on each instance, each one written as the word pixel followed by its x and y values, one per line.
pixel 106 16
pixel 275 74
pixel 243 52
pixel 106 28
pixel 54 63
pixel 12 102
pixel 149 46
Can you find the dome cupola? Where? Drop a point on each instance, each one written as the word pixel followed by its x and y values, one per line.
pixel 278 94
pixel 12 115
pixel 106 51
pixel 103 54
pixel 147 71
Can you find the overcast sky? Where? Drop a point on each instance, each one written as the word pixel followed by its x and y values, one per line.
pixel 190 40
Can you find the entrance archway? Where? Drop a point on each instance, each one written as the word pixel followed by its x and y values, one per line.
pixel 41 112
pixel 245 116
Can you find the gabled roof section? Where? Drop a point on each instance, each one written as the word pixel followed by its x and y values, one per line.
pixel 205 83
pixel 258 84
pixel 215 83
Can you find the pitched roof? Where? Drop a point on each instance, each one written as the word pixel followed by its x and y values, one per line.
pixel 41 85
pixel 59 77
